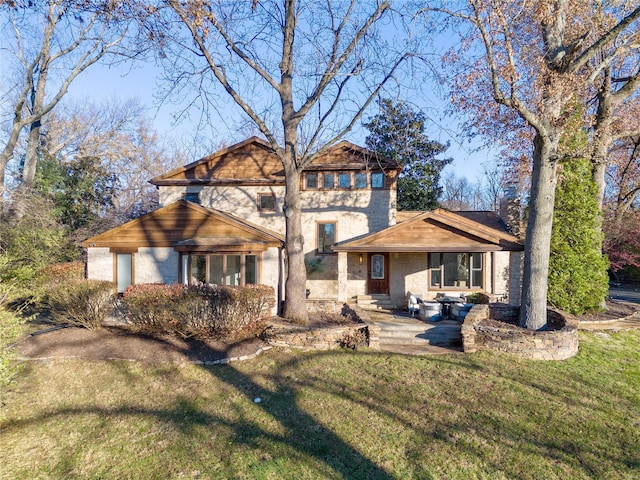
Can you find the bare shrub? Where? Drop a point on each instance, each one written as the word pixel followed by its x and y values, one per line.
pixel 83 303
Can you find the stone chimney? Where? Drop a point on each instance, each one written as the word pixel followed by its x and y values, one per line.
pixel 510 211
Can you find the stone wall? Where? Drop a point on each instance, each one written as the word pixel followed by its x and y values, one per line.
pixel 494 327
pixel 326 337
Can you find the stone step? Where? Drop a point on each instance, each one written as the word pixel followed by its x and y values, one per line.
pixel 404 333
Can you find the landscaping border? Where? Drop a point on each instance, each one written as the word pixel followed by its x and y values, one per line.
pixel 493 327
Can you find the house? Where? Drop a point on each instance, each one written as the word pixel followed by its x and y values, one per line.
pixel 221 221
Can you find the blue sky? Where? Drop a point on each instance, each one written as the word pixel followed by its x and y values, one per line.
pixel 101 84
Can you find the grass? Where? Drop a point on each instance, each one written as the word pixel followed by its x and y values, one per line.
pixel 342 414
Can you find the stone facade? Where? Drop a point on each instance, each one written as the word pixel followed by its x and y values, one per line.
pixel 325 337
pixel 493 327
pixel 355 213
pixel 100 264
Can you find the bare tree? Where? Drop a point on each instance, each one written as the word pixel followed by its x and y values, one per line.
pixel 532 59
pixel 457 192
pixel 303 71
pixel 119 135
pixel 50 43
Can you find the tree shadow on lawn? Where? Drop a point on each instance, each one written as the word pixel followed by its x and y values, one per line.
pixel 303 433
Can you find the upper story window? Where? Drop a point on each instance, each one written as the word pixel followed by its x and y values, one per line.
pixel 326 237
pixel 377 180
pixel 327 180
pixel 266 202
pixel 344 180
pixel 311 180
pixel 191 197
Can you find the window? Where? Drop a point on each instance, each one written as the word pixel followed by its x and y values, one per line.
pixel 458 270
pixel 377 267
pixel 327 180
pixel 311 180
pixel 361 180
pixel 124 271
pixel 377 180
pixel 266 202
pixel 326 237
pixel 344 180
pixel 218 269
pixel 192 197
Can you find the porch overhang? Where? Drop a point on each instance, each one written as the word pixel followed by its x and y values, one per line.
pixel 437 231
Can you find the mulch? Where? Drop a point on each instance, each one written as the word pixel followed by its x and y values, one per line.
pixel 119 343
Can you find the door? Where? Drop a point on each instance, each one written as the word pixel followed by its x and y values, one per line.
pixel 378 274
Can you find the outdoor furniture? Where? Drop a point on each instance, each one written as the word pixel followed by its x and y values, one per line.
pixel 446 303
pixel 430 311
pixel 460 310
pixel 413 304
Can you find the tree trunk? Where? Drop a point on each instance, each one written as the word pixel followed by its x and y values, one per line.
pixel 296 282
pixel 31 156
pixel 602 136
pixel 533 311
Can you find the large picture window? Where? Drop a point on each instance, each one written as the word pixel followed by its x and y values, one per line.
pixel 455 270
pixel 219 269
pixel 326 237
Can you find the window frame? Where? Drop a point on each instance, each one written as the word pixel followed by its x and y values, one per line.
pixel 381 175
pixel 439 268
pixel 308 175
pixel 186 267
pixel 329 249
pixel 325 176
pixel 360 175
pixel 342 175
pixel 198 200
pixel 266 195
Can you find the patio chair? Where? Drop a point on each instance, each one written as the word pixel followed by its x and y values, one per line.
pixel 413 304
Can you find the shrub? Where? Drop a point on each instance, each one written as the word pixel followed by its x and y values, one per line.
pixel 199 311
pixel 49 278
pixel 83 303
pixel 151 307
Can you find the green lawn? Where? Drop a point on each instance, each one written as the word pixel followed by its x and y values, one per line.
pixel 342 415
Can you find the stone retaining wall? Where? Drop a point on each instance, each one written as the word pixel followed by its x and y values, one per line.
pixel 494 327
pixel 327 337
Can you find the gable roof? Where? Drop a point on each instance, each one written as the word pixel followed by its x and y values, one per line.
pixel 439 231
pixel 251 161
pixel 186 224
pixel 254 162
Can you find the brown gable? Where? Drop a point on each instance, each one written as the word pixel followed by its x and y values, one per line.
pixel 251 161
pixel 179 222
pixel 348 156
pixel 435 231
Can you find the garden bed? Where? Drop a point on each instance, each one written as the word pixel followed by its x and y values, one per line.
pixel 494 327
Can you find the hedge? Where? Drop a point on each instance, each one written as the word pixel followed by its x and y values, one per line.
pixel 197 311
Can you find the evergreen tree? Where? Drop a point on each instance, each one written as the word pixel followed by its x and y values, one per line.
pixel 398 132
pixel 578 280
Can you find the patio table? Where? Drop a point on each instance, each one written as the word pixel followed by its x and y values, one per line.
pixel 446 305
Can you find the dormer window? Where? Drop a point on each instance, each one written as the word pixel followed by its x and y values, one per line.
pixel 377 180
pixel 327 180
pixel 344 180
pixel 311 180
